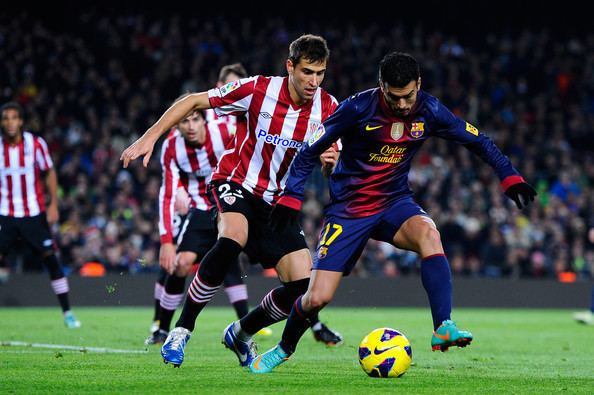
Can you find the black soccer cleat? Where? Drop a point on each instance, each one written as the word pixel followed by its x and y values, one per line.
pixel 327 336
pixel 157 337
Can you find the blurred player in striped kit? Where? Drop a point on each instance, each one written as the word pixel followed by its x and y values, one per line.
pixel 275 116
pixel 188 158
pixel 23 212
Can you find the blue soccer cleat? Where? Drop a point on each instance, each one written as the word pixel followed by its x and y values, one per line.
pixel 70 320
pixel 173 348
pixel 245 351
pixel 447 335
pixel 269 360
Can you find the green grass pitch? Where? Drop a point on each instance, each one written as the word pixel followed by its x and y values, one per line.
pixel 515 351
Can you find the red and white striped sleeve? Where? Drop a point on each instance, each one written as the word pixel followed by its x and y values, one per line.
pixel 168 190
pixel 42 155
pixel 233 98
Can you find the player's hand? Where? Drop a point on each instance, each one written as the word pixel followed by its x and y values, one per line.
pixel 284 213
pixel 521 193
pixel 329 159
pixel 167 257
pixel 52 214
pixel 143 146
pixel 182 201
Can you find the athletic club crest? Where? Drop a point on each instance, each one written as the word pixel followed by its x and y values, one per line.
pixel 397 130
pixel 312 127
pixel 417 129
pixel 229 200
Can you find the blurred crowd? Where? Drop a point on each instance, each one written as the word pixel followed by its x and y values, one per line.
pixel 93 85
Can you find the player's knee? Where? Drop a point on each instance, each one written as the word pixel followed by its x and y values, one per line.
pixel 184 264
pixel 317 300
pixel 431 237
pixel 238 235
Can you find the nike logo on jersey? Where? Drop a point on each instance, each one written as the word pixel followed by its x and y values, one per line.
pixel 369 128
pixel 383 350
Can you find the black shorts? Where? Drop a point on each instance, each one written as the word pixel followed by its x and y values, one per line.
pixel 263 246
pixel 198 233
pixel 178 222
pixel 34 231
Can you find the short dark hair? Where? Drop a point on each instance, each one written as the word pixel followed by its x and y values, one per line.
pixel 12 105
pixel 398 69
pixel 310 47
pixel 235 68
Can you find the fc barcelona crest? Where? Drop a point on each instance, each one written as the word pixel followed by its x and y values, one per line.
pixel 397 130
pixel 322 252
pixel 417 129
pixel 229 199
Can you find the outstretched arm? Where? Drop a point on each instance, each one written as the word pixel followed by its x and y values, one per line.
pixel 145 144
pixel 513 184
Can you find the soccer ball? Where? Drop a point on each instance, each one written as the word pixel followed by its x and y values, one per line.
pixel 385 352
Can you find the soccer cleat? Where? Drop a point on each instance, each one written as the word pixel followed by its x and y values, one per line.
pixel 245 351
pixel 157 337
pixel 155 326
pixel 264 332
pixel 70 320
pixel 269 360
pixel 584 317
pixel 448 335
pixel 327 336
pixel 173 348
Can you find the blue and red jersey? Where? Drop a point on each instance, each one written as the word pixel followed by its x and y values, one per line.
pixel 378 149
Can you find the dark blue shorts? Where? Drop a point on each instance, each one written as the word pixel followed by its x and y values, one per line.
pixel 342 239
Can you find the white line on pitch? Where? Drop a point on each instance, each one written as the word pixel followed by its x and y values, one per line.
pixel 74 348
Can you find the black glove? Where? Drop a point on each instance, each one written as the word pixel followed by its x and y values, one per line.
pixel 284 214
pixel 522 193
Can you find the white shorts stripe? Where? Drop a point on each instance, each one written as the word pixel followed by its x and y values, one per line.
pixel 180 237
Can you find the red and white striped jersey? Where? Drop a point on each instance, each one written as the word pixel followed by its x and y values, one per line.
pixel 192 167
pixel 227 123
pixel 269 131
pixel 21 184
